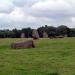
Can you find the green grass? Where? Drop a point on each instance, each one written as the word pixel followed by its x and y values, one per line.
pixel 50 57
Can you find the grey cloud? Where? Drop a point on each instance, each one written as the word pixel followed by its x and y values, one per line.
pixel 22 3
pixel 59 13
pixel 51 11
pixel 19 2
pixel 43 12
pixel 6 7
pixel 6 10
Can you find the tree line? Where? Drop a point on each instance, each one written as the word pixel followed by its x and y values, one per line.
pixel 50 30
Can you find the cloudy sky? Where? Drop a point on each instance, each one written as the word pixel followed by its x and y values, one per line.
pixel 36 13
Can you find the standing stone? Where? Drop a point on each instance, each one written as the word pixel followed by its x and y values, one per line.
pixel 22 35
pixel 45 35
pixel 35 34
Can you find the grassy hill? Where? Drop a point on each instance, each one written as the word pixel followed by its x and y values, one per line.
pixel 50 57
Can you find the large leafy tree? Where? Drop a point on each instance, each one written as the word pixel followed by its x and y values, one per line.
pixel 62 30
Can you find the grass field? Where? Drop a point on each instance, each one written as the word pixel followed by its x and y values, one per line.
pixel 50 57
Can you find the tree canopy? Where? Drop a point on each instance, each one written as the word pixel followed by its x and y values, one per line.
pixel 50 30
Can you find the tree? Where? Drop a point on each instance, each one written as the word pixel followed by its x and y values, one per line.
pixel 62 30
pixel 16 33
pixel 72 32
pixel 27 31
pixel 52 34
pixel 40 31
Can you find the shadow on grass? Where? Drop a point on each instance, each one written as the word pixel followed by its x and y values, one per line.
pixel 53 73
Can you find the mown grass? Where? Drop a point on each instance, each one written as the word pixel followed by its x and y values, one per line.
pixel 50 57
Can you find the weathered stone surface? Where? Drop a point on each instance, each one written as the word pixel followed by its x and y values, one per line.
pixel 22 35
pixel 60 36
pixel 27 44
pixel 45 35
pixel 35 34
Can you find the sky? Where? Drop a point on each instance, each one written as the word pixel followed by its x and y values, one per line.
pixel 35 13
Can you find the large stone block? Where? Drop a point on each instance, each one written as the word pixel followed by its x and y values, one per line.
pixel 27 44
